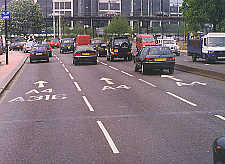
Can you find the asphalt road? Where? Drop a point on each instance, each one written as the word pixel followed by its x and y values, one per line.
pixel 58 113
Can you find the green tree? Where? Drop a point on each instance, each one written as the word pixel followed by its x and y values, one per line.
pixel 197 13
pixel 26 17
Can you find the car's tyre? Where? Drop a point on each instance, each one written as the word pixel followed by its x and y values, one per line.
pixel 171 70
pixel 125 58
pixel 47 60
pixel 107 58
pixel 31 61
pixel 95 63
pixel 129 58
pixel 111 58
pixel 194 58
pixel 136 68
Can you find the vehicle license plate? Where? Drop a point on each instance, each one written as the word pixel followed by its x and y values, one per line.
pixel 38 53
pixel 86 54
pixel 116 50
pixel 160 59
pixel 68 46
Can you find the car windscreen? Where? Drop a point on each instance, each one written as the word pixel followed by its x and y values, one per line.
pixel 216 41
pixel 67 41
pixel 119 41
pixel 168 42
pixel 159 51
pixel 96 41
pixel 84 48
pixel 148 39
pixel 39 48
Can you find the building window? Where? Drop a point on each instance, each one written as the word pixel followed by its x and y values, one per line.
pixel 68 13
pixel 56 5
pixel 62 5
pixel 114 6
pixel 103 6
pixel 67 5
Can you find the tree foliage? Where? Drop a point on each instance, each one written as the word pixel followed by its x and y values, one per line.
pixel 197 13
pixel 26 17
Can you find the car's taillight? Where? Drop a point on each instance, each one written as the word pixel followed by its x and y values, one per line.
pixel 31 54
pixel 93 54
pixel 102 49
pixel 77 54
pixel 129 53
pixel 171 59
pixel 150 59
pixel 45 53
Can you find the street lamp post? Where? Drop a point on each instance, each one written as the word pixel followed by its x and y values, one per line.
pixel 6 37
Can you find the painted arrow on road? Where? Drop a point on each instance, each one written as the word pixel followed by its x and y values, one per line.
pixel 107 80
pixel 191 84
pixel 171 77
pixel 41 83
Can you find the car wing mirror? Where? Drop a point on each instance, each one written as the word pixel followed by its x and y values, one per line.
pixel 219 150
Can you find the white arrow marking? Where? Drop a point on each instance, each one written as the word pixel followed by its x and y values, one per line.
pixel 107 87
pixel 123 86
pixel 107 80
pixel 20 99
pixel 31 91
pixel 171 77
pixel 191 84
pixel 41 83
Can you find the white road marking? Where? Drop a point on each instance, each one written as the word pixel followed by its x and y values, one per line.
pixel 147 83
pixel 207 64
pixel 63 65
pixel 107 80
pixel 66 69
pixel 191 84
pixel 103 63
pixel 88 104
pixel 170 77
pixel 127 74
pixel 78 87
pixel 41 83
pixel 60 61
pixel 108 138
pixel 221 117
pixel 71 76
pixel 113 68
pixel 180 98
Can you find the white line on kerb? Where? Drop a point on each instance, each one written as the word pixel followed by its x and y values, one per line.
pixel 221 117
pixel 180 98
pixel 113 68
pixel 108 138
pixel 103 63
pixel 127 74
pixel 78 87
pixel 147 83
pixel 88 104
pixel 66 69
pixel 71 76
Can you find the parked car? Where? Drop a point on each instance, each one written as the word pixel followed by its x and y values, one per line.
pixel 96 42
pixel 119 47
pixel 39 53
pixel 17 46
pixel 28 47
pixel 102 49
pixel 67 45
pixel 48 46
pixel 84 54
pixel 155 57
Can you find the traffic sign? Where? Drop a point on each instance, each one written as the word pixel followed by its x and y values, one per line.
pixel 5 15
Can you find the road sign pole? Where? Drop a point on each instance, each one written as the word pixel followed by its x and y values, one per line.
pixel 6 37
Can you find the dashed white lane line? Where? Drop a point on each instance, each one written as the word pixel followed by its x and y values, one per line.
pixel 103 63
pixel 66 69
pixel 71 76
pixel 127 74
pixel 78 87
pixel 147 83
pixel 88 104
pixel 182 99
pixel 221 117
pixel 63 65
pixel 108 138
pixel 60 62
pixel 114 68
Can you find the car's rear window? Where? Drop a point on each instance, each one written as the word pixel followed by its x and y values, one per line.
pixel 39 48
pixel 159 51
pixel 67 41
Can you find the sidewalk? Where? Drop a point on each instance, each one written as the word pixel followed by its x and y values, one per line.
pixel 16 59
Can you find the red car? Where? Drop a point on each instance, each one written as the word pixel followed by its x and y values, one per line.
pixel 54 43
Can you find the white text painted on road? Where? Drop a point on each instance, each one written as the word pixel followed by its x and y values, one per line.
pixel 88 104
pixel 78 87
pixel 191 84
pixel 36 91
pixel 108 138
pixel 41 83
pixel 127 74
pixel 107 80
pixel 220 117
pixel 118 87
pixel 170 77
pixel 147 83
pixel 182 99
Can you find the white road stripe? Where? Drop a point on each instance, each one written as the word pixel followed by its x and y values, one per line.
pixel 60 61
pixel 78 87
pixel 180 98
pixel 147 83
pixel 113 68
pixel 127 74
pixel 66 69
pixel 221 117
pixel 207 64
pixel 88 104
pixel 63 65
pixel 108 138
pixel 103 63
pixel 71 76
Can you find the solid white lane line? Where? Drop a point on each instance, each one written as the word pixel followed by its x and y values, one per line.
pixel 127 74
pixel 221 117
pixel 103 63
pixel 63 65
pixel 108 138
pixel 113 68
pixel 66 69
pixel 147 83
pixel 180 98
pixel 88 104
pixel 71 76
pixel 78 87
